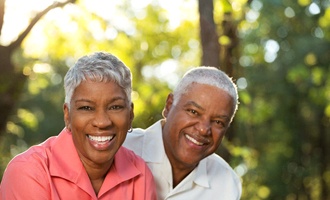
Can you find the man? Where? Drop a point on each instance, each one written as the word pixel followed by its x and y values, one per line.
pixel 179 149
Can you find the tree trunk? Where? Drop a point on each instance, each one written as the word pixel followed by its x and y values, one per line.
pixel 11 86
pixel 208 34
pixel 227 57
pixel 324 156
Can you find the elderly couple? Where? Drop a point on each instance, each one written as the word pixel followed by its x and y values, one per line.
pixel 98 156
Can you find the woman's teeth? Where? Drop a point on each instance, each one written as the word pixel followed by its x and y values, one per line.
pixel 100 138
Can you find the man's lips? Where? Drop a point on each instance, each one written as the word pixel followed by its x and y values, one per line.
pixel 195 141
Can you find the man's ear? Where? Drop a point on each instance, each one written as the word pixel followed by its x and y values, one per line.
pixel 168 105
pixel 66 116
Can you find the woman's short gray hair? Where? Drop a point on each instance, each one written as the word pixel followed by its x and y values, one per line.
pixel 99 67
pixel 209 76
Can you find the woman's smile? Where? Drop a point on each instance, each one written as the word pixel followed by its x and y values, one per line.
pixel 100 142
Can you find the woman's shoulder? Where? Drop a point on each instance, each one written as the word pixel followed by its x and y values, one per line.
pixel 33 156
pixel 129 156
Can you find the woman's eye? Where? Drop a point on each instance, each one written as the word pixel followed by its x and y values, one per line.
pixel 84 108
pixel 116 107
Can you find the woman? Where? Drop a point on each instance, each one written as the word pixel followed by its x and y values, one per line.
pixel 86 160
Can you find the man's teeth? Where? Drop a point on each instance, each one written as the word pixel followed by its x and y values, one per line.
pixel 100 138
pixel 194 141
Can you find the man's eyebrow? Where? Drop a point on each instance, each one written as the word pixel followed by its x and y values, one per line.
pixel 193 103
pixel 223 116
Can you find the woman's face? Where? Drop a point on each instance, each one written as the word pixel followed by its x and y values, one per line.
pixel 99 118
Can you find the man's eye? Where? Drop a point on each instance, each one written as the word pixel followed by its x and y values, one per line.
pixel 194 112
pixel 220 123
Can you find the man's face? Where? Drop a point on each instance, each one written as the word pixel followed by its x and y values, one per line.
pixel 195 126
pixel 99 118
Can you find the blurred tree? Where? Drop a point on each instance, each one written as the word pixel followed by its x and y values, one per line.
pixel 284 112
pixel 281 67
pixel 12 79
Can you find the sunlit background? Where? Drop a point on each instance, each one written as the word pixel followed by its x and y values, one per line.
pixel 19 13
pixel 279 53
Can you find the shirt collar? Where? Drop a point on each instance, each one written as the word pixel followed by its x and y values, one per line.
pixel 117 173
pixel 63 158
pixel 202 178
pixel 65 163
pixel 122 173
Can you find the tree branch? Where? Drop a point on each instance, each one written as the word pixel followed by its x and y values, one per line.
pixel 21 37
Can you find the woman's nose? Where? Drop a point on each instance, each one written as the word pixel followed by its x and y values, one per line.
pixel 102 119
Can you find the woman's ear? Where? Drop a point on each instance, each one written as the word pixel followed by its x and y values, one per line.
pixel 132 112
pixel 66 112
pixel 168 105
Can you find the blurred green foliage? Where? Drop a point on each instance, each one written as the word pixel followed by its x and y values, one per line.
pixel 280 146
pixel 283 112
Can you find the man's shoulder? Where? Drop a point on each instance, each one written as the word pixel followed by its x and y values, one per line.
pixel 134 137
pixel 217 164
pixel 137 136
pixel 219 172
pixel 134 141
pixel 137 133
pixel 216 160
pixel 142 140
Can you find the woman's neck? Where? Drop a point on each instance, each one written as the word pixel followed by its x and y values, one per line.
pixel 97 173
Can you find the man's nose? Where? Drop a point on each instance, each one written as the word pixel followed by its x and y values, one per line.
pixel 204 126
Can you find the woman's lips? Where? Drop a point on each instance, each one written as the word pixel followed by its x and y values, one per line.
pixel 100 138
pixel 100 142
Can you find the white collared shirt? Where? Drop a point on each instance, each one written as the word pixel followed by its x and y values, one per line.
pixel 213 178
